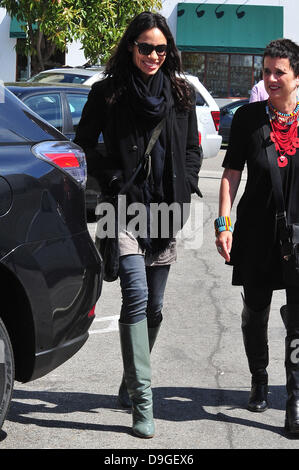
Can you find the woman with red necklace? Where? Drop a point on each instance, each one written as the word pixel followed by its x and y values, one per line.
pixel 253 247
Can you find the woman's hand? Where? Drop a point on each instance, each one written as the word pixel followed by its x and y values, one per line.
pixel 224 244
pixel 228 189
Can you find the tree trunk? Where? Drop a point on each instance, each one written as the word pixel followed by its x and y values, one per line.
pixel 39 50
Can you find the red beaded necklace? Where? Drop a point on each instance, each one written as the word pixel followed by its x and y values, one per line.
pixel 284 132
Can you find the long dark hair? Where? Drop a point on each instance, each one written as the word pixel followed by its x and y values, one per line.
pixel 120 64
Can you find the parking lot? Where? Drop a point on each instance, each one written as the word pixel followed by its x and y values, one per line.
pixel 200 374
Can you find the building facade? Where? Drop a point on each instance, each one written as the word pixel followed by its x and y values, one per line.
pixel 220 42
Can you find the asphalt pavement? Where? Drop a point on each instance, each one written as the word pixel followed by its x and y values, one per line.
pixel 200 374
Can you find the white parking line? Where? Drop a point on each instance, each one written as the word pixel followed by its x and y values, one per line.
pixel 112 326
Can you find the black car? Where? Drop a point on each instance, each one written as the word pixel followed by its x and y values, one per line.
pixel 226 116
pixel 50 270
pixel 61 106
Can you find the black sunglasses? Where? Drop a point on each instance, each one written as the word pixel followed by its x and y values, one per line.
pixel 146 49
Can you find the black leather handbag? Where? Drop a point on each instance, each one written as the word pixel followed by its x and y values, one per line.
pixel 108 247
pixel 288 233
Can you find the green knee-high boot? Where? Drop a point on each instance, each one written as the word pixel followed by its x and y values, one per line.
pixel 137 370
pixel 255 338
pixel 123 396
pixel 290 317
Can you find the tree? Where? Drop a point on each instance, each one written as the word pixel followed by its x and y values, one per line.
pixel 51 24
pixel 103 23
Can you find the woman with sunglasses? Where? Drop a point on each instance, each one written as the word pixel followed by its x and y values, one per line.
pixel 143 87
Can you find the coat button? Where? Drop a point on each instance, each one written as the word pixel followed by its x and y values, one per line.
pixel 134 148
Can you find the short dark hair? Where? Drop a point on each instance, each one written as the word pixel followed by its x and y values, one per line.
pixel 286 49
pixel 120 64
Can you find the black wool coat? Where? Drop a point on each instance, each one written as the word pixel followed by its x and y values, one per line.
pixel 255 252
pixel 183 152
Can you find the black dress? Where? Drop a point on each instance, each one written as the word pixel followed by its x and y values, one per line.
pixel 255 253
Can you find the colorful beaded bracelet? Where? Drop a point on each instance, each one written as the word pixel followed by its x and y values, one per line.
pixel 221 224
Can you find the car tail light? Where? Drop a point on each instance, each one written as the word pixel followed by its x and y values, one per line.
pixel 67 156
pixel 216 119
pixel 92 312
pixel 199 138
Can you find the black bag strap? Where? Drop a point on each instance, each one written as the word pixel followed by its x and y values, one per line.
pixel 281 217
pixel 146 159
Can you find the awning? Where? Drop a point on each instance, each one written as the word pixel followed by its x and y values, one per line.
pixel 17 28
pixel 227 28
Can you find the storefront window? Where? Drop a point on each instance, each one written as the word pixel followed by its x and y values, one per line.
pixel 240 75
pixel 195 64
pixel 216 80
pixel 258 68
pixel 224 75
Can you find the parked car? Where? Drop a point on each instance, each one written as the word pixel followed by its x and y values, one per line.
pixel 208 117
pixel 61 106
pixel 76 75
pixel 226 116
pixel 50 270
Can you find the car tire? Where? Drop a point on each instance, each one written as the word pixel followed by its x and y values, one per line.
pixel 7 372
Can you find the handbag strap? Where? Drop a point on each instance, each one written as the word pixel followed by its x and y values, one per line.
pixel 146 160
pixel 281 217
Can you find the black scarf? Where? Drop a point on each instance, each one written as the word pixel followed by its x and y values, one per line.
pixel 150 101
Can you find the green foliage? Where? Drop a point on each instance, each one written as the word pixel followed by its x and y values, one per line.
pixel 98 24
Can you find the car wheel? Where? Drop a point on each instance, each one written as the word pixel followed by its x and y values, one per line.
pixel 7 372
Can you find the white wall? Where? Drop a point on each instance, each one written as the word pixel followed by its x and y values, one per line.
pixel 74 55
pixel 291 12
pixel 291 17
pixel 7 50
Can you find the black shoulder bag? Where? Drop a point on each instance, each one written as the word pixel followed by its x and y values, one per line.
pixel 288 233
pixel 108 246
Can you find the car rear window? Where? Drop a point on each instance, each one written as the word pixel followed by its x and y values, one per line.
pixel 76 104
pixel 19 124
pixel 48 106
